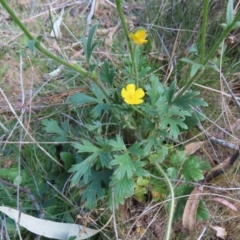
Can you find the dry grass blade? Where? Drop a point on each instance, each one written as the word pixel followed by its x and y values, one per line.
pixel 226 203
pixel 191 148
pixel 190 211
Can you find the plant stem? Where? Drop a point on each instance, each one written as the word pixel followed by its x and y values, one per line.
pixel 124 25
pixel 172 202
pixel 138 111
pixel 125 29
pixel 204 29
pixel 135 67
pixel 39 46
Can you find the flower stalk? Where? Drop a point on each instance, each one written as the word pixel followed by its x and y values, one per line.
pixel 137 38
pixel 172 202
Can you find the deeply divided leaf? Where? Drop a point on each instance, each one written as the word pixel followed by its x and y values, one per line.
pixel 125 167
pixel 122 189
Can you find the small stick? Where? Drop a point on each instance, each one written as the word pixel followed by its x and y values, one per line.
pixel 226 83
pixel 29 194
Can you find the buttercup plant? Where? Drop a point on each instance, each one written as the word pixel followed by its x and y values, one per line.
pixel 129 126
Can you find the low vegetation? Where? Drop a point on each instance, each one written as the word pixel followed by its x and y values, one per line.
pixel 120 119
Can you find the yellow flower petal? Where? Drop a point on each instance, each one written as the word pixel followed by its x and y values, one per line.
pixel 130 88
pixel 124 93
pixel 139 93
pixel 131 95
pixel 141 34
pixel 133 37
pixel 139 37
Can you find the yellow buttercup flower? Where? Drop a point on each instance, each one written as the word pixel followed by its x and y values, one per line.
pixel 139 37
pixel 131 95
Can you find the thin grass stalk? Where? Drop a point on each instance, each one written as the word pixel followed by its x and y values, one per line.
pixel 39 46
pixel 209 56
pixel 204 30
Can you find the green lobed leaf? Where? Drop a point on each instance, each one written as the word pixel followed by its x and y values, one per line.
pixel 194 119
pixel 154 141
pixel 160 155
pixel 68 160
pixel 94 190
pixel 172 173
pixel 202 212
pixel 118 145
pixel 80 99
pixel 178 158
pixel 51 126
pixel 9 173
pixel 137 150
pixel 122 189
pixel 107 74
pixel 88 43
pixel 143 72
pixel 140 193
pixel 155 90
pixel 97 92
pixel 142 182
pixel 169 92
pixel 86 147
pixel 125 167
pixel 173 124
pixel 82 169
pixel 139 170
pixel 99 109
pixel 105 158
pixel 189 99
pixel 191 169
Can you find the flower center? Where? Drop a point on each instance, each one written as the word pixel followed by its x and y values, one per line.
pixel 131 94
